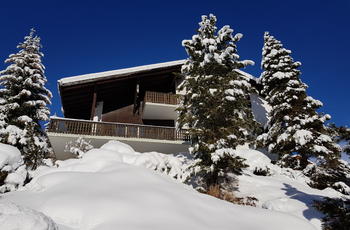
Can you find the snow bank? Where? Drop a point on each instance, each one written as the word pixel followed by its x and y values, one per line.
pixel 114 152
pixel 14 217
pixel 105 190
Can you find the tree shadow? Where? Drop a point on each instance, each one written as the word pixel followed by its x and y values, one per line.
pixel 307 199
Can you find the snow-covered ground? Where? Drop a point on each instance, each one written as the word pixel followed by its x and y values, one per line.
pixel 116 188
pixel 285 190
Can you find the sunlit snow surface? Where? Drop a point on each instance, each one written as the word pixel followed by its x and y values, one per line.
pixel 115 188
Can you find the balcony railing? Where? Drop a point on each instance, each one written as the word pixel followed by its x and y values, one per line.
pixel 162 98
pixel 84 127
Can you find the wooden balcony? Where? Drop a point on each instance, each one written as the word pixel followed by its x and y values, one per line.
pixel 162 98
pixel 85 127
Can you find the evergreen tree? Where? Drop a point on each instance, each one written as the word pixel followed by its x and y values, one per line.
pixel 295 126
pixel 216 107
pixel 24 101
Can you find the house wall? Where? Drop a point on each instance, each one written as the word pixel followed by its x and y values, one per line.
pixel 123 115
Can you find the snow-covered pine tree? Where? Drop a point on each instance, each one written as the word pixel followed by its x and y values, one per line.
pixel 295 126
pixel 24 101
pixel 216 106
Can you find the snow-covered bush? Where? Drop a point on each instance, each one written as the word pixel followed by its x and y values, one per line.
pixel 15 217
pixel 78 147
pixel 13 172
pixel 292 161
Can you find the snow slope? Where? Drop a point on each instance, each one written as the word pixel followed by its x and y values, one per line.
pixel 106 190
pixel 285 190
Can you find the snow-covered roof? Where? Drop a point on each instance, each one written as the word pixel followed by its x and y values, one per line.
pixel 245 74
pixel 92 77
pixel 115 73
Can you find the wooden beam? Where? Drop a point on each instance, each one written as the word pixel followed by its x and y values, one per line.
pixel 93 106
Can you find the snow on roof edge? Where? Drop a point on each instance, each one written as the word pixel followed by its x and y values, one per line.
pixel 91 77
pixel 101 75
pixel 245 74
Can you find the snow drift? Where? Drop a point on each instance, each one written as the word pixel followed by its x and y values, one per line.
pixel 106 190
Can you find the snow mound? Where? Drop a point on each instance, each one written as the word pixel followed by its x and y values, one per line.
pixel 10 157
pixel 254 158
pixel 12 166
pixel 117 152
pixel 14 217
pixel 118 147
pixel 106 190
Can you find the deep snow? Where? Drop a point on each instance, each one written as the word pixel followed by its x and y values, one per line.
pixel 113 187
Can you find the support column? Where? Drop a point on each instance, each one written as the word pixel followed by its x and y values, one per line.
pixel 93 106
pixel 137 98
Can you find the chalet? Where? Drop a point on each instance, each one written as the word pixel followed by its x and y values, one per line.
pixel 133 105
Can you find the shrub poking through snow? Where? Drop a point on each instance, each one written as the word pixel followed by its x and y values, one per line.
pixel 295 126
pixel 337 213
pixel 216 191
pixel 216 107
pixel 262 171
pixel 24 102
pixel 78 147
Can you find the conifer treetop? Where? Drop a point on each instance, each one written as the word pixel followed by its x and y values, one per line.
pixel 24 79
pixel 208 48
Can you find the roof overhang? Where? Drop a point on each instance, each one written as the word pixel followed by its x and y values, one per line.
pixel 114 74
pixel 120 73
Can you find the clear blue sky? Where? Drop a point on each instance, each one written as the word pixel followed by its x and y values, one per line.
pixel 90 36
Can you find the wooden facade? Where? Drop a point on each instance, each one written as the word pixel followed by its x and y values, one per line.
pixel 123 96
